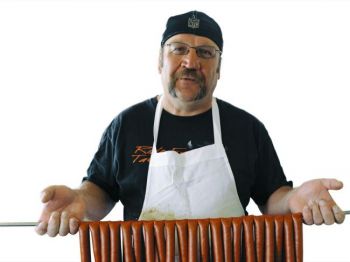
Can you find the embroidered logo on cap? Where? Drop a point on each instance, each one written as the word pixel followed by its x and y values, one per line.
pixel 193 22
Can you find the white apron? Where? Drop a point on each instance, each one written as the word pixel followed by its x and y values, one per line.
pixel 195 184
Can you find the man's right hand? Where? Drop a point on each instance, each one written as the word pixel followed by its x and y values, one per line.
pixel 63 209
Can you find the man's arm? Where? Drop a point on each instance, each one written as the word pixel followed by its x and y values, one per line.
pixel 65 207
pixel 312 199
pixel 99 202
pixel 277 202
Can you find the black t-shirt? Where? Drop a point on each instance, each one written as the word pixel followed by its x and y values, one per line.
pixel 120 165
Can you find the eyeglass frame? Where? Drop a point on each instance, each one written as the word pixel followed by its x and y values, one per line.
pixel 195 48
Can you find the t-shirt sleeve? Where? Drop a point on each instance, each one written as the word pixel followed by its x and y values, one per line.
pixel 269 173
pixel 104 166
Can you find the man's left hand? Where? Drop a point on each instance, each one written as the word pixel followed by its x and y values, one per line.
pixel 313 199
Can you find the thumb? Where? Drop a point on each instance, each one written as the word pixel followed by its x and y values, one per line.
pixel 47 194
pixel 332 184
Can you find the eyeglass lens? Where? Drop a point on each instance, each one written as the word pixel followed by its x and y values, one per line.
pixel 201 51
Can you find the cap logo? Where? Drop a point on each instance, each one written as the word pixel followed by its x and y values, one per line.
pixel 193 22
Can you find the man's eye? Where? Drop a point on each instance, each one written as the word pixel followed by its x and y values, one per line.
pixel 179 49
pixel 205 52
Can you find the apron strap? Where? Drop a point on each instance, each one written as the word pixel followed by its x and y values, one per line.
pixel 215 117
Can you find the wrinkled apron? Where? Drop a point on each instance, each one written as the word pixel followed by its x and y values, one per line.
pixel 195 184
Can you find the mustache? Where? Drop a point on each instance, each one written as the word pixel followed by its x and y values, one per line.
pixel 190 73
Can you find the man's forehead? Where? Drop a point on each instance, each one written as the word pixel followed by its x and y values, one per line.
pixel 191 39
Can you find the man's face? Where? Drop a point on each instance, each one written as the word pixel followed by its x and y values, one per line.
pixel 188 77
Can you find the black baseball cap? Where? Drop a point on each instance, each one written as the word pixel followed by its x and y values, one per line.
pixel 196 23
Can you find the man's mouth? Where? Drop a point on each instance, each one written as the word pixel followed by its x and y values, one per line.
pixel 188 78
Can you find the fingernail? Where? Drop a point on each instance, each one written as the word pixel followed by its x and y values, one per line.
pixel 340 183
pixel 336 209
pixel 55 214
pixel 40 229
pixel 311 202
pixel 73 225
pixel 42 195
pixel 322 202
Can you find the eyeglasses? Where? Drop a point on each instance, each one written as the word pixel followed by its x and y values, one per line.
pixel 203 51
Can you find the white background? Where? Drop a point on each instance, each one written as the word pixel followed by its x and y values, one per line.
pixel 68 67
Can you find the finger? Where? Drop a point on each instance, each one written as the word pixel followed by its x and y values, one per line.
pixel 64 224
pixel 47 194
pixel 316 213
pixel 332 184
pixel 54 224
pixel 307 216
pixel 41 228
pixel 327 212
pixel 73 225
pixel 338 214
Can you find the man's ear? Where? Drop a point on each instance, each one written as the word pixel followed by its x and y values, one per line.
pixel 219 67
pixel 160 60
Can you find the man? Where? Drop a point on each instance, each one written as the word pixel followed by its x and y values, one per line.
pixel 186 154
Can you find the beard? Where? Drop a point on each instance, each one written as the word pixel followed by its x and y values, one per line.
pixel 188 73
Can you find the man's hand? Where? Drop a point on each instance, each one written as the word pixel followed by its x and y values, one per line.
pixel 313 199
pixel 63 208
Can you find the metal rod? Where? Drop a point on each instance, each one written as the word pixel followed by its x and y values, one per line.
pixel 18 224
pixel 34 224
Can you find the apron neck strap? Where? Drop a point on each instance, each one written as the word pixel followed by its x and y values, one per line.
pixel 215 117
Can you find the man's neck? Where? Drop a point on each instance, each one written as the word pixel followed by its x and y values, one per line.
pixel 183 108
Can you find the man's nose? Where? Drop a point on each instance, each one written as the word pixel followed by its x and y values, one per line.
pixel 191 59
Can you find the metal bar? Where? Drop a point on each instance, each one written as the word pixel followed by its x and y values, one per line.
pixel 34 224
pixel 18 224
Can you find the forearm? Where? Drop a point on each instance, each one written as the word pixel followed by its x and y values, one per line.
pixel 278 202
pixel 97 202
